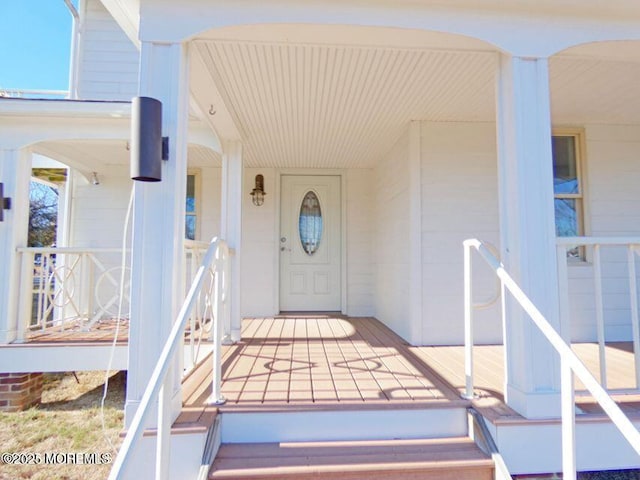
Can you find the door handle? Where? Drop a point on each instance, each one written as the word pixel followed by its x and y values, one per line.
pixel 282 249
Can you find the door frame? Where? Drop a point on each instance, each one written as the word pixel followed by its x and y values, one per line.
pixel 335 172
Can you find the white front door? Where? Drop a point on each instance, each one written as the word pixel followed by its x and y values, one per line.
pixel 310 243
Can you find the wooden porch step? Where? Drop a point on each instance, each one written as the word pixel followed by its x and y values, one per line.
pixel 443 458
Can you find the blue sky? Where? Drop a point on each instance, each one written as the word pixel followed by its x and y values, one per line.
pixel 35 39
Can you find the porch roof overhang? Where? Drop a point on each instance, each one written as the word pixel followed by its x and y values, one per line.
pixel 42 107
pixel 302 85
pixel 87 135
pixel 331 103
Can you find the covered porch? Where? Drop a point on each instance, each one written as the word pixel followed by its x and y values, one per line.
pixel 298 378
pixel 324 360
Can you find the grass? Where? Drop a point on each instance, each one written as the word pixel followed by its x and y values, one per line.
pixel 67 421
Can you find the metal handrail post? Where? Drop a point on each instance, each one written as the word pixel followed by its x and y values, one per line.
pixel 220 294
pixel 633 299
pixel 597 279
pixel 468 323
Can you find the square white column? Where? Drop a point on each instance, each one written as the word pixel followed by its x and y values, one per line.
pixel 15 174
pixel 527 231
pixel 231 228
pixel 415 233
pixel 158 228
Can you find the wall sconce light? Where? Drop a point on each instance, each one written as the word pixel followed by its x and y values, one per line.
pixel 94 179
pixel 148 147
pixel 258 193
pixel 5 203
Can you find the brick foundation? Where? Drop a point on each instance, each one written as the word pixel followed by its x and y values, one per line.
pixel 19 391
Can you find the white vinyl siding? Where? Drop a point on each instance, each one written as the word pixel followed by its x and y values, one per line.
pixel 259 246
pixel 459 201
pixel 360 229
pixel 210 197
pixel 98 211
pixel 109 61
pixel 392 202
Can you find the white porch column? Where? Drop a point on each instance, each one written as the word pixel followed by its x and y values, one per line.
pixel 64 212
pixel 415 232
pixel 231 226
pixel 15 174
pixel 527 229
pixel 158 227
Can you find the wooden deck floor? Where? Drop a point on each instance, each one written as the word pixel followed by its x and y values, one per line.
pixel 489 375
pixel 101 332
pixel 315 362
pixel 75 332
pixel 320 361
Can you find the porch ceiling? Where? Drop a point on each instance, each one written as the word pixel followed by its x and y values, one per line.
pixel 101 155
pixel 589 85
pixel 335 106
pixel 322 105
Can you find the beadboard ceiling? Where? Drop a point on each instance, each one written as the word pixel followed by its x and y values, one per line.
pixel 328 106
pixel 102 155
pixel 594 90
pixel 342 106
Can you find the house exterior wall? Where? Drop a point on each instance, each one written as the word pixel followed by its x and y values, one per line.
pixel 108 63
pixel 459 201
pixel 98 211
pixel 259 247
pixel 260 240
pixel 360 199
pixel 210 199
pixel 612 176
pixel 97 221
pixel 391 253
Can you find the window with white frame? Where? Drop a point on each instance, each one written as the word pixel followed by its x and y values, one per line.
pixel 568 188
pixel 192 205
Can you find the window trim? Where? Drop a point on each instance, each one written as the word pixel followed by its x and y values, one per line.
pixel 584 226
pixel 197 174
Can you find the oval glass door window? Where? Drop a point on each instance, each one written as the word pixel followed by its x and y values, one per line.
pixel 310 223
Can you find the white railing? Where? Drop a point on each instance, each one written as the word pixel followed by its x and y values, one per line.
pixel 201 317
pixel 570 364
pixel 214 267
pixel 60 286
pixel 595 245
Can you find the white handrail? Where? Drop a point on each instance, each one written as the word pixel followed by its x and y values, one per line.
pixel 201 315
pixel 570 363
pixel 200 319
pixel 217 255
